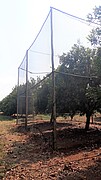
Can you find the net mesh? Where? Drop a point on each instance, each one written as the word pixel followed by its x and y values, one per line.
pixel 67 31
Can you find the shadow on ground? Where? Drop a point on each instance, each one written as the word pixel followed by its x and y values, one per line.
pixel 71 171
pixel 37 147
pixel 70 139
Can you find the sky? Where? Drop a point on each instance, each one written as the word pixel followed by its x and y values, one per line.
pixel 20 21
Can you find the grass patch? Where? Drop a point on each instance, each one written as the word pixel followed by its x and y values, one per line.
pixel 42 117
pixel 5 118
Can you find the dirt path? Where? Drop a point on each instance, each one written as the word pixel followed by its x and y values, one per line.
pixel 28 155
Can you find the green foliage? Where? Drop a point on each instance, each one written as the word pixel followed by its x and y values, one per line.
pixel 78 87
pixel 95 36
pixel 77 84
pixel 97 63
pixel 43 96
pixel 5 118
pixel 9 104
pixel 79 93
pixel 95 16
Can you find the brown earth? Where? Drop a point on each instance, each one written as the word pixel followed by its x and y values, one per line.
pixel 28 154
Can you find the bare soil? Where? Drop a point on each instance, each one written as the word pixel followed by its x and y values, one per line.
pixel 29 155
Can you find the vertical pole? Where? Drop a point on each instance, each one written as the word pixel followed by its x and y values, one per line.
pixel 17 99
pixel 53 81
pixel 26 118
pixel 88 70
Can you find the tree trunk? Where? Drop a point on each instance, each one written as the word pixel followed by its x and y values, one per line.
pixel 72 117
pixel 51 119
pixel 87 121
pixel 92 119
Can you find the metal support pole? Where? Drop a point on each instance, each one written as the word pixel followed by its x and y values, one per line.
pixel 26 118
pixel 53 81
pixel 17 99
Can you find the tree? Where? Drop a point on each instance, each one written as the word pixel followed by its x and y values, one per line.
pixel 43 95
pixel 9 104
pixel 90 103
pixel 95 35
pixel 41 101
pixel 97 63
pixel 65 95
pixel 80 62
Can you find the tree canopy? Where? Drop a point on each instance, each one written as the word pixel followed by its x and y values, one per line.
pixel 95 17
pixel 9 104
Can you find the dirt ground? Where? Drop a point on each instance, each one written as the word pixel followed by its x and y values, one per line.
pixel 29 155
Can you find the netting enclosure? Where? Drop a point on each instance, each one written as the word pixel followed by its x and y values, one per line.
pixel 59 32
